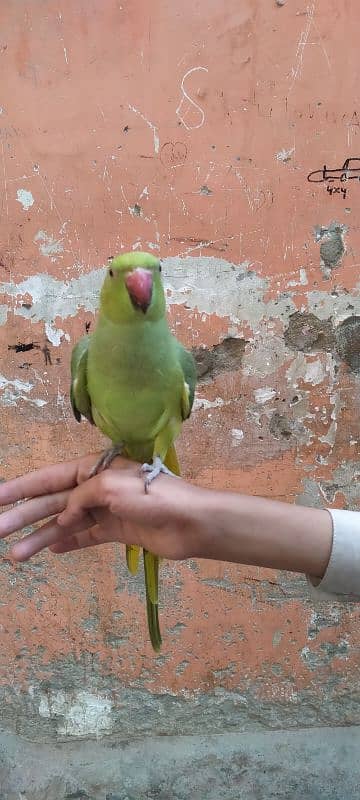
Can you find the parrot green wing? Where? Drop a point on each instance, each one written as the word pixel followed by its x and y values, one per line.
pixel 188 367
pixel 79 396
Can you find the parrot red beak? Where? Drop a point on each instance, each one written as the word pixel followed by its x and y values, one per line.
pixel 139 283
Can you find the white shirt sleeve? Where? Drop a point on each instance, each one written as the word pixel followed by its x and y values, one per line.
pixel 341 580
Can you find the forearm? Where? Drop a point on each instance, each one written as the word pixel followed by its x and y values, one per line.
pixel 266 533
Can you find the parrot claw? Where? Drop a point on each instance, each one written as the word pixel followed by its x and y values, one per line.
pixel 106 459
pixel 153 470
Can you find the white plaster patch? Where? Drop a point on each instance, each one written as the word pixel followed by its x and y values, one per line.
pixel 51 298
pixel 11 391
pixel 264 394
pixel 326 305
pixel 330 437
pixel 315 372
pixel 207 285
pixel 237 436
pixel 285 155
pixel 48 245
pixel 3 314
pixel 296 370
pixel 203 403
pixel 54 335
pixel 214 286
pixel 301 281
pixel 77 714
pixel 265 355
pixel 24 197
pixel 303 277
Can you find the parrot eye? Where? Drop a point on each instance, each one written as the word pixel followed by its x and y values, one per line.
pixel 159 267
pixel 111 273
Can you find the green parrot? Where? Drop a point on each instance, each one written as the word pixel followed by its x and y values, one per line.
pixel 136 383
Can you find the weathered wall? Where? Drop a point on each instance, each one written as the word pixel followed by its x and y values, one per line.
pixel 191 133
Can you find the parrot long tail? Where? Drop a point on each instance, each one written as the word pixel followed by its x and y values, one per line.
pixel 151 569
pixel 132 551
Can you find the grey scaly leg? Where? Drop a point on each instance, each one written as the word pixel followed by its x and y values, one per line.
pixel 153 470
pixel 106 459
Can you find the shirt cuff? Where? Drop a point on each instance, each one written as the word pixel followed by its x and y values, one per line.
pixel 341 580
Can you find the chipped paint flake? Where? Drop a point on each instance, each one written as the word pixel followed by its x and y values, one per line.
pixel 303 277
pixel 301 281
pixel 237 436
pixel 264 394
pixel 54 335
pixel 330 437
pixel 13 390
pixel 48 245
pixel 203 403
pixel 25 198
pixel 51 298
pixel 315 372
pixel 285 155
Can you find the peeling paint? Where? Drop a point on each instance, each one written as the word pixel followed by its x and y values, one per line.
pixel 285 155
pixel 203 403
pixel 48 245
pixel 337 305
pixel 206 284
pixel 25 198
pixel 237 436
pixel 55 335
pixel 52 298
pixel 315 372
pixel 264 394
pixel 13 390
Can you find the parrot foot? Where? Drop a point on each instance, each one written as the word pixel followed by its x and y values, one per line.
pixel 106 459
pixel 153 470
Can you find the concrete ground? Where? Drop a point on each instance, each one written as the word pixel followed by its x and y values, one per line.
pixel 311 764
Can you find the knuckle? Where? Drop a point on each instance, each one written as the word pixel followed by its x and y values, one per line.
pixel 106 485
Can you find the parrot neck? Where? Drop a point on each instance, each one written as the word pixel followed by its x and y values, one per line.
pixel 121 342
pixel 140 329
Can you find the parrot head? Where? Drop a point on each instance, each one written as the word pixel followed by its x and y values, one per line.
pixel 133 289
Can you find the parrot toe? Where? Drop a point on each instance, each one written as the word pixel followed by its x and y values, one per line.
pixel 106 459
pixel 153 470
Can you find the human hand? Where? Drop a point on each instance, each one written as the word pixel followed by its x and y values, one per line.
pixel 111 506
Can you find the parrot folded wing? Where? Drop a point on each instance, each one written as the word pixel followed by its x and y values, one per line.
pixel 79 396
pixel 188 367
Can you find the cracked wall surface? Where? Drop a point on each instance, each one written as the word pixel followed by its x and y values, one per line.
pixel 192 134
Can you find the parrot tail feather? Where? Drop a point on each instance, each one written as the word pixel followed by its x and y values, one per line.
pixel 153 625
pixel 151 568
pixel 132 558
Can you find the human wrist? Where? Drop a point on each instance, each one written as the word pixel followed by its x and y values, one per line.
pixel 201 513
